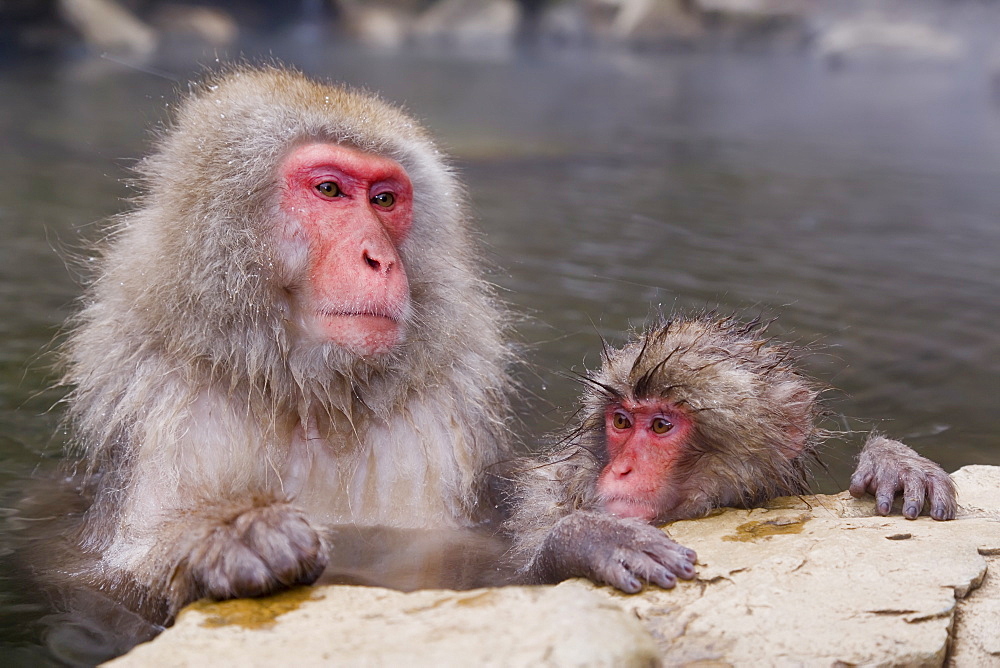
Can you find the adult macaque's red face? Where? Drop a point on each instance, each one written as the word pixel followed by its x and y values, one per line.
pixel 352 211
pixel 645 441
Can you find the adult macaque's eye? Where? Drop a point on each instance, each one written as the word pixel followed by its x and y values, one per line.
pixel 661 425
pixel 328 189
pixel 621 421
pixel 384 200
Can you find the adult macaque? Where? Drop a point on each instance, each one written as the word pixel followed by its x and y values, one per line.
pixel 692 415
pixel 289 332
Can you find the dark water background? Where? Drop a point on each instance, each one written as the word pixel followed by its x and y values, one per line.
pixel 860 205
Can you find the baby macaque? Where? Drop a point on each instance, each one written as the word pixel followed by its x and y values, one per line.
pixel 695 414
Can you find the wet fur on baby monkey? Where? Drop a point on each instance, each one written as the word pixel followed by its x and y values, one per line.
pixel 693 414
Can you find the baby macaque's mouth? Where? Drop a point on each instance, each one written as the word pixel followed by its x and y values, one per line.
pixel 624 506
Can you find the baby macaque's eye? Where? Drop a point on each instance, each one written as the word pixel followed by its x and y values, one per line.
pixel 661 425
pixel 621 421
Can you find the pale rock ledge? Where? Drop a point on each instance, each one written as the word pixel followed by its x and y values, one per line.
pixel 814 581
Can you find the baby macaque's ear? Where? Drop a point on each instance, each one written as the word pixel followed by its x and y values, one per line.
pixel 796 404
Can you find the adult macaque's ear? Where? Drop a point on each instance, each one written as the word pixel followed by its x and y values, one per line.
pixel 797 403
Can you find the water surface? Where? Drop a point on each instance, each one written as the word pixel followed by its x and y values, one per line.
pixel 858 205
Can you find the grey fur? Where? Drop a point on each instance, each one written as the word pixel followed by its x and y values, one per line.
pixel 187 312
pixel 750 404
pixel 754 417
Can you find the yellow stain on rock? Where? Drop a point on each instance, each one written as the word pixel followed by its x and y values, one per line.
pixel 751 531
pixel 251 613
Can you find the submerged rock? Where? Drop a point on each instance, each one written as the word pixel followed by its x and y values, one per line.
pixel 813 580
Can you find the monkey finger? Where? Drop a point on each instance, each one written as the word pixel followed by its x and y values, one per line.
pixel 620 576
pixel 284 542
pixel 663 578
pixel 227 571
pixel 656 543
pixel 677 559
pixel 860 483
pixel 943 503
pixel 686 571
pixel 914 492
pixel 689 555
pixel 884 496
pixel 649 569
pixel 913 500
pixel 286 560
pixel 942 511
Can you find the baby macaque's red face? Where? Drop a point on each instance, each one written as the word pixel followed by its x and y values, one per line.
pixel 645 441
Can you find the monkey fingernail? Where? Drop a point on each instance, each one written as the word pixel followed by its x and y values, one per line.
pixel 942 513
pixel 666 582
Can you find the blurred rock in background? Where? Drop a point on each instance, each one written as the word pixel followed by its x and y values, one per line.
pixel 840 33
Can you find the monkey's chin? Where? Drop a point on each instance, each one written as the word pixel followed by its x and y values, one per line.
pixel 361 333
pixel 631 508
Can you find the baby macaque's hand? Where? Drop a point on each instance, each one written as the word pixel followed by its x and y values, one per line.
pixel 887 468
pixel 624 553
